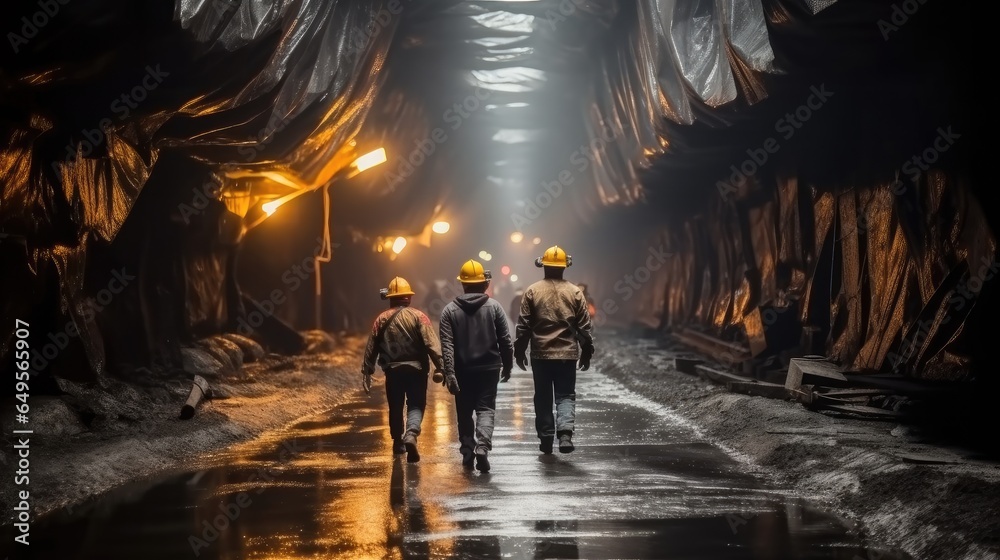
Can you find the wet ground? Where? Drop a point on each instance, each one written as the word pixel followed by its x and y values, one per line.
pixel 641 484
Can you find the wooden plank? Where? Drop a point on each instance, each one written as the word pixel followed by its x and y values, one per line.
pixel 715 349
pixel 839 393
pixel 759 389
pixel 819 399
pixel 810 370
pixel 802 396
pixel 717 376
pixel 929 459
pixel 865 411
pixel 711 340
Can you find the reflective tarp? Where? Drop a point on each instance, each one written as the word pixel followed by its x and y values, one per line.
pixel 94 95
pixel 845 202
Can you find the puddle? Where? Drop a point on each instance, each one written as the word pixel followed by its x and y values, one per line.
pixel 639 486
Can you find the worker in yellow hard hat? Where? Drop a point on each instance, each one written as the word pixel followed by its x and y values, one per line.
pixel 402 338
pixel 475 343
pixel 555 322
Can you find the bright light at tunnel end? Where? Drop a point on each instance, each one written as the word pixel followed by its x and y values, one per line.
pixel 441 227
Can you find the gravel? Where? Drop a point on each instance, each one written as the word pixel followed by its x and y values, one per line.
pixel 95 439
pixel 853 467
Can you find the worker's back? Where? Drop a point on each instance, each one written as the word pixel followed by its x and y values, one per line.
pixel 554 313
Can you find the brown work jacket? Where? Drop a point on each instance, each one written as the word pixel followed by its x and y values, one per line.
pixel 554 315
pixel 408 341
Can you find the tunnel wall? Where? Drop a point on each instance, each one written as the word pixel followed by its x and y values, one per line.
pixel 111 126
pixel 883 277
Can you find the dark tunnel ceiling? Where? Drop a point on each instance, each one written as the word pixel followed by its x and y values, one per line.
pixel 557 77
pixel 259 86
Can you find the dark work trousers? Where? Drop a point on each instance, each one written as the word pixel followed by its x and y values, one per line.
pixel 555 380
pixel 477 396
pixel 405 385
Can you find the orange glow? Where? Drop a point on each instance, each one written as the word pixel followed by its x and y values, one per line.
pixel 371 159
pixel 398 245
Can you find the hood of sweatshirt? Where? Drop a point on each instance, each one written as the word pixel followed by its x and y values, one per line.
pixel 470 303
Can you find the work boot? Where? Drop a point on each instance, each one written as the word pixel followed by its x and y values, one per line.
pixel 410 444
pixel 397 447
pixel 468 457
pixel 545 445
pixel 482 462
pixel 566 444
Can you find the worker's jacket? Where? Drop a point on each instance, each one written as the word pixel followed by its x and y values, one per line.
pixel 475 336
pixel 408 341
pixel 554 318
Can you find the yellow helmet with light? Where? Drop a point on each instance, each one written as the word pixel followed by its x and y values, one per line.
pixel 398 287
pixel 554 256
pixel 473 272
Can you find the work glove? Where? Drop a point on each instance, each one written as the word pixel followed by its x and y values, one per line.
pixel 505 375
pixel 366 383
pixel 586 353
pixel 451 382
pixel 520 350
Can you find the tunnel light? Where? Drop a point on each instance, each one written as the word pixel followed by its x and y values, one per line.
pixel 505 270
pixel 536 240
pixel 485 256
pixel 441 227
pixel 516 237
pixel 371 159
pixel 513 277
pixel 398 245
pixel 270 207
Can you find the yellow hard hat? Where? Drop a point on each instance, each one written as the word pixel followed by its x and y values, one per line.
pixel 473 273
pixel 554 256
pixel 398 287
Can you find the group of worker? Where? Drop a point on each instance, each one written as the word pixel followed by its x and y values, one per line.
pixel 474 353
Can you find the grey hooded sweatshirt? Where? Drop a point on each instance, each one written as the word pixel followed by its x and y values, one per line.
pixel 475 335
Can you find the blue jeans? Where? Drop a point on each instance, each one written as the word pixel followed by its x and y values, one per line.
pixel 405 386
pixel 555 380
pixel 476 404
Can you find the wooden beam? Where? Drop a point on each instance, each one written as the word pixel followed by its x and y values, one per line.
pixel 717 376
pixel 760 389
pixel 812 370
pixel 865 411
pixel 686 365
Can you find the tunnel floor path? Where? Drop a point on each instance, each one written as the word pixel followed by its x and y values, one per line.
pixel 641 484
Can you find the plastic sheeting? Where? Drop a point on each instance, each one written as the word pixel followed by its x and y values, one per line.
pixel 677 61
pixel 865 227
pixel 894 302
pixel 92 102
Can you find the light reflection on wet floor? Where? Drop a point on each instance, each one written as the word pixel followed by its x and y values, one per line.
pixel 640 485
